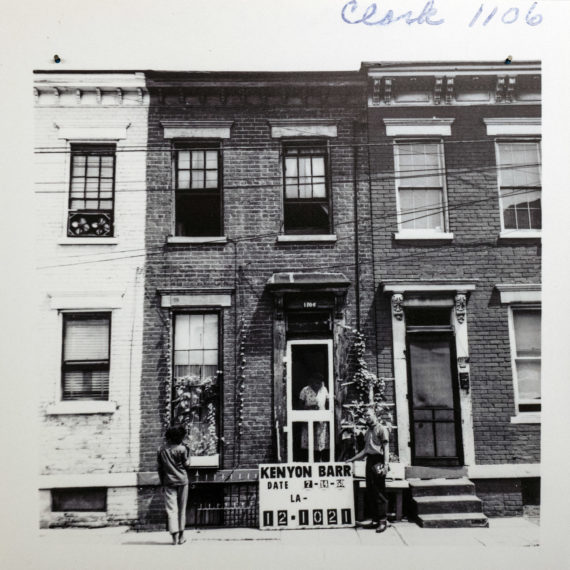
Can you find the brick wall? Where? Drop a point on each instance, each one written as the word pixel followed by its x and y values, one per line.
pixel 475 254
pixel 252 174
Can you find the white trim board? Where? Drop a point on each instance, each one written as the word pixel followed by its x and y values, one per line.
pixel 87 480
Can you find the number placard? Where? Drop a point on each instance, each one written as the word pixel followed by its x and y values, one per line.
pixel 306 495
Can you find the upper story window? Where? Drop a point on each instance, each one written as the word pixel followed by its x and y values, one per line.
pixel 526 355
pixel 86 359
pixel 197 185
pixel 420 184
pixel 519 184
pixel 306 200
pixel 92 189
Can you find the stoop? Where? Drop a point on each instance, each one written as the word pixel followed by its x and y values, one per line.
pixel 446 503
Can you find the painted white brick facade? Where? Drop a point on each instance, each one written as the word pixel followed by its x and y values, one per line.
pixel 90 439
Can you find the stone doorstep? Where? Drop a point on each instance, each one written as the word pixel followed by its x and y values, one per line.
pixel 453 520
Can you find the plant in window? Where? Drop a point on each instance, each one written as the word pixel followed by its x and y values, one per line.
pixel 194 408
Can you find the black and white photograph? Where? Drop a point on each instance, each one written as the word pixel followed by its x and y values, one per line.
pixel 285 281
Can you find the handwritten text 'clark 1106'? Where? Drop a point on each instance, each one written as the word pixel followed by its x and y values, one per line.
pixel 373 15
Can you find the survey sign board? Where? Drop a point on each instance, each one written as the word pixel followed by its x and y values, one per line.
pixel 305 495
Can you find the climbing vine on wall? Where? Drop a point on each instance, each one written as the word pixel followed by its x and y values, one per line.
pixel 368 391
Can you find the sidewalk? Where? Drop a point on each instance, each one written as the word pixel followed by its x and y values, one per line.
pixel 510 532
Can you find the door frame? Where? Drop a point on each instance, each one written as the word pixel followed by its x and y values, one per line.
pixel 316 415
pixel 433 293
pixel 436 333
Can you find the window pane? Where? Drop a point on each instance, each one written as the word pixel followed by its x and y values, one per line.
pixel 198 215
pixel 197 159
pixel 211 357
pixel 521 209
pixel 212 159
pixel 291 167
pixel 319 190
pixel 182 332
pixel 198 179
pixel 318 166
pixel 419 164
pixel 304 166
pixel 305 190
pixel 181 357
pixel 445 438
pixel 196 331
pixel 291 189
pixel 527 332
pixel 211 179
pixel 86 384
pixel 184 179
pixel 528 378
pixel 422 209
pixel 211 331
pixel 86 339
pixel 92 166
pixel 184 159
pixel 196 357
pixel 423 439
pixel 519 163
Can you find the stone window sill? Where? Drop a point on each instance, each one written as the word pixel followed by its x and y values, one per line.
pixel 205 460
pixel 526 418
pixel 202 240
pixel 422 235
pixel 520 234
pixel 294 238
pixel 88 241
pixel 81 407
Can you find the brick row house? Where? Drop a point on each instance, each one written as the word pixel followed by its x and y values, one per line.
pixel 322 227
pixel 456 196
pixel 90 160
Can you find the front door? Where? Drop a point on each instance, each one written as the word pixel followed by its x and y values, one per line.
pixel 434 407
pixel 310 410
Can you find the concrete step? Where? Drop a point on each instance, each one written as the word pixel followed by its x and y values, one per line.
pixel 455 520
pixel 440 504
pixel 438 487
pixel 423 472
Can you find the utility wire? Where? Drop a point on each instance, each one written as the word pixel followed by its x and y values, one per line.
pixel 273 144
pixel 145 251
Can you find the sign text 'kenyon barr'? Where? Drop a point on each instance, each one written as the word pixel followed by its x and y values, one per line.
pixel 373 14
pixel 306 495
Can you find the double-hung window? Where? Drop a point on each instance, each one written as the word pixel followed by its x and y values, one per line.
pixel 197 185
pixel 526 356
pixel 420 184
pixel 196 376
pixel 306 200
pixel 86 358
pixel 519 184
pixel 92 190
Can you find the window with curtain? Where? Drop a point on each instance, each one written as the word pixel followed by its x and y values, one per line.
pixel 420 184
pixel 527 357
pixel 198 192
pixel 86 361
pixel 196 377
pixel 520 186
pixel 92 190
pixel 306 200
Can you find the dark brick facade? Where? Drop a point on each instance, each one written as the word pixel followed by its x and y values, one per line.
pixel 475 254
pixel 252 196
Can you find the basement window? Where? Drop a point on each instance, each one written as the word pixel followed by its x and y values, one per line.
pixel 79 500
